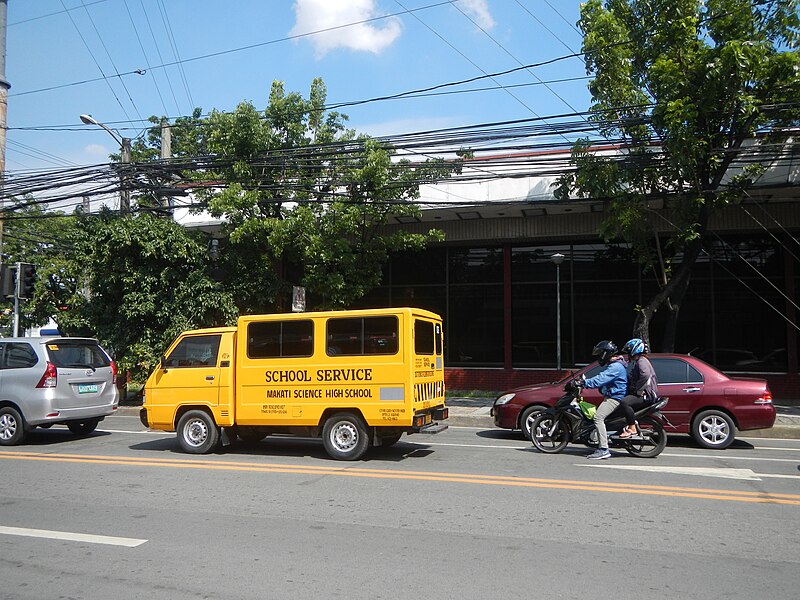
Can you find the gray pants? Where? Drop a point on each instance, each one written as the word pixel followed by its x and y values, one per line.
pixel 606 407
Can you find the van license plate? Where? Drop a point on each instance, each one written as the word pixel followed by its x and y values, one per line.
pixel 87 388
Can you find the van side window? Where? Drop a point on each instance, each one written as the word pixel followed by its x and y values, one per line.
pixel 195 351
pixel 361 336
pixel 423 337
pixel 278 339
pixel 18 356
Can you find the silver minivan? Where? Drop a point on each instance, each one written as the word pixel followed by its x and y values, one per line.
pixel 54 380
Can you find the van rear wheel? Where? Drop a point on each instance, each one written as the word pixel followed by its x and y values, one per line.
pixel 197 432
pixel 345 437
pixel 12 429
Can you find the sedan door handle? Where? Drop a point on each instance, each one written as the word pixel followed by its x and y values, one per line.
pixel 691 389
pixel 209 378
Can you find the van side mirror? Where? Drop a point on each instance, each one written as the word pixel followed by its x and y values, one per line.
pixel 162 363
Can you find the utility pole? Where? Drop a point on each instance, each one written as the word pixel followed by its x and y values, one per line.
pixel 125 192
pixel 4 85
pixel 166 153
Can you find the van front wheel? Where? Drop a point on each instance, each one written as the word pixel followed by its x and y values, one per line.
pixel 345 437
pixel 197 432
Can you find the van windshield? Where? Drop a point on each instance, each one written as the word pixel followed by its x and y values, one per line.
pixel 77 354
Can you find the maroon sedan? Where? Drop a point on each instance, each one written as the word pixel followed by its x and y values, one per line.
pixel 703 402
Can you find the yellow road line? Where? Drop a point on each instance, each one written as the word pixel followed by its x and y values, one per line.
pixel 344 471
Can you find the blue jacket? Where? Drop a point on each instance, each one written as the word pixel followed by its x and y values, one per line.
pixel 611 381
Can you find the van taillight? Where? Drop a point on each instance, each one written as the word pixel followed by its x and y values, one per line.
pixel 113 371
pixel 50 377
pixel 766 398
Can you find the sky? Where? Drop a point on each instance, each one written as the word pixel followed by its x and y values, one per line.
pixel 122 61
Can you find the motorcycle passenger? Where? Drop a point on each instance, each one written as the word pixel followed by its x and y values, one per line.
pixel 642 383
pixel 612 382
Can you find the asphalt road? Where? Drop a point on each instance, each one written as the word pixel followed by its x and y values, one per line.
pixel 469 513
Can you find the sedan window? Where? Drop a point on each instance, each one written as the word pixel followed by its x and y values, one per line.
pixel 675 370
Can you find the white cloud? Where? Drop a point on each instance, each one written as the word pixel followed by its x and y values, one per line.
pixel 317 15
pixel 478 10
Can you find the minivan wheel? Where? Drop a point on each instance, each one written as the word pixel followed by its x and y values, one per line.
pixel 713 429
pixel 197 432
pixel 345 437
pixel 12 428
pixel 83 427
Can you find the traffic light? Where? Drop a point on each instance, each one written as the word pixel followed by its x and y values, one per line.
pixel 27 280
pixel 8 280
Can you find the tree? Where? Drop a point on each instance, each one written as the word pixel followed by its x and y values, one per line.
pixel 44 239
pixel 145 281
pixel 684 86
pixel 304 199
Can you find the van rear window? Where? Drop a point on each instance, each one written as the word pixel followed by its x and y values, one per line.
pixel 423 337
pixel 77 354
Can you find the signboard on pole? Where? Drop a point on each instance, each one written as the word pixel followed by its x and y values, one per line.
pixel 298 298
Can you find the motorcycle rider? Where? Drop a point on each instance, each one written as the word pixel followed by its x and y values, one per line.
pixel 642 383
pixel 613 384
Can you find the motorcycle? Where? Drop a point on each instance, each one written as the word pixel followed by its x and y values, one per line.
pixel 566 422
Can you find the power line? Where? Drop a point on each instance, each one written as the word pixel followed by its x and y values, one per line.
pixel 240 48
pixel 144 54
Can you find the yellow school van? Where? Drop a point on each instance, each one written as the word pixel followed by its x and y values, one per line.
pixel 355 378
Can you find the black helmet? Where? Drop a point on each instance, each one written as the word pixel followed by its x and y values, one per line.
pixel 604 351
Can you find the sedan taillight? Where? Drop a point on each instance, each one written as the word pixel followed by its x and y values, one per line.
pixel 766 398
pixel 50 377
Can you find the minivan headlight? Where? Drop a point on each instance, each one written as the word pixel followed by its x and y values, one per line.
pixel 504 399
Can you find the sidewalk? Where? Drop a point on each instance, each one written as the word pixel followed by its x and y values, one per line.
pixel 474 412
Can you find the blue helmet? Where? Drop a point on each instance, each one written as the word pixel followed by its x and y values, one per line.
pixel 635 347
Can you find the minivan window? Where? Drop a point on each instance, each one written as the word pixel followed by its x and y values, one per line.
pixel 358 336
pixel 675 370
pixel 278 339
pixel 195 351
pixel 16 355
pixel 76 353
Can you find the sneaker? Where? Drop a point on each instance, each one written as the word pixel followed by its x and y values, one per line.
pixel 599 454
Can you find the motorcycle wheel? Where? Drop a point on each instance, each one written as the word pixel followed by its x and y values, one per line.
pixel 654 439
pixel 541 438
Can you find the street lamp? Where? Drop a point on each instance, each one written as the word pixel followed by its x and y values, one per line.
pixel 125 158
pixel 557 259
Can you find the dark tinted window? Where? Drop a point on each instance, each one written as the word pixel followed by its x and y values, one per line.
pixel 438 339
pixel 675 370
pixel 423 337
pixel 362 335
pixel 18 356
pixel 195 351
pixel 77 354
pixel 279 339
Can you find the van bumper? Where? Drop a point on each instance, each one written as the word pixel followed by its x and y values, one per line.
pixel 427 421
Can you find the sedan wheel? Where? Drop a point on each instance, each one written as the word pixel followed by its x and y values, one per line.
pixel 713 429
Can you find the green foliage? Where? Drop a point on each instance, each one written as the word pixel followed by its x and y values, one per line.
pixel 145 283
pixel 304 200
pixel 684 85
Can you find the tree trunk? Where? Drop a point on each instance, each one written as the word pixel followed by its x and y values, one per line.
pixel 674 290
